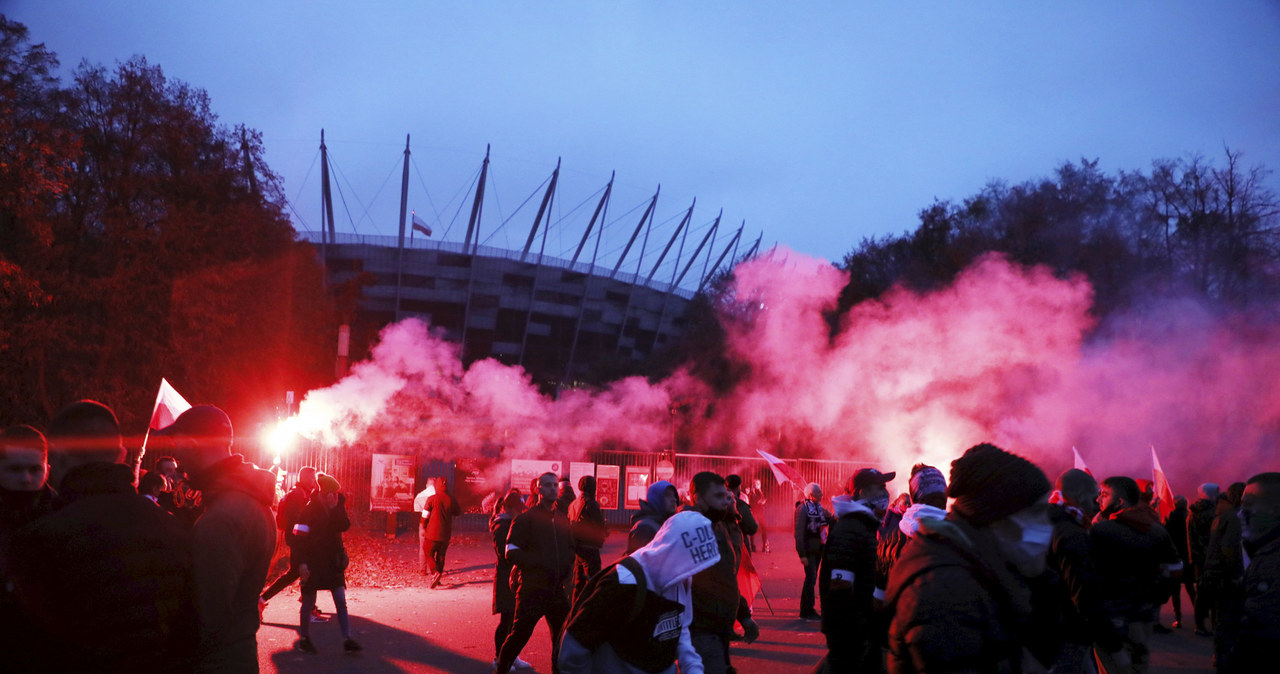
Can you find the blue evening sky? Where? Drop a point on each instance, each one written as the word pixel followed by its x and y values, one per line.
pixel 818 123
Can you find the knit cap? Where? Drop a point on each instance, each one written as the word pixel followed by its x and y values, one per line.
pixel 328 484
pixel 989 484
pixel 927 481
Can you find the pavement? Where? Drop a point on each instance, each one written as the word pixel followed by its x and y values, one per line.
pixel 405 626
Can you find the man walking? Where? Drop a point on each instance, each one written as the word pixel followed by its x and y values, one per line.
pixel 541 549
pixel 287 514
pixel 438 528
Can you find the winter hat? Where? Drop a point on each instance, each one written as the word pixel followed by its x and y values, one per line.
pixel 328 484
pixel 926 482
pixel 990 484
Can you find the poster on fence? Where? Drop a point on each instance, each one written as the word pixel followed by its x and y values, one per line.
pixel 472 483
pixel 524 471
pixel 637 484
pixel 579 470
pixel 391 483
pixel 607 487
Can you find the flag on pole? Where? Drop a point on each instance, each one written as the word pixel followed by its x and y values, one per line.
pixel 748 579
pixel 169 404
pixel 1079 462
pixel 1164 494
pixel 421 225
pixel 781 471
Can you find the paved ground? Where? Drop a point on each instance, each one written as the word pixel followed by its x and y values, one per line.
pixel 407 627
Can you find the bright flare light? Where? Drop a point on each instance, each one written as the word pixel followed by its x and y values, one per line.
pixel 280 438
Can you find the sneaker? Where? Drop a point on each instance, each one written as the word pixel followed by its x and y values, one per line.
pixel 519 664
pixel 436 582
pixel 317 616
pixel 811 615
pixel 1177 624
pixel 767 548
pixel 304 644
pixel 351 646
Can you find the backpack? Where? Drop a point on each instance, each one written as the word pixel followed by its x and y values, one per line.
pixel 642 588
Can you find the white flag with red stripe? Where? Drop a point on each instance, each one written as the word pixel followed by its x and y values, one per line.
pixel 1164 494
pixel 1079 462
pixel 169 404
pixel 781 471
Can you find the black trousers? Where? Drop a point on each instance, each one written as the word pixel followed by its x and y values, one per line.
pixel 586 563
pixel 532 606
pixel 807 591
pixel 285 580
pixel 505 619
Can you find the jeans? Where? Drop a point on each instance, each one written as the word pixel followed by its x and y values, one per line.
pixel 435 551
pixel 713 649
pixel 309 605
pixel 586 563
pixel 807 600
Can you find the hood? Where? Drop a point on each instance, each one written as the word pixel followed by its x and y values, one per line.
pixel 845 505
pixel 685 545
pixel 911 520
pixel 1139 517
pixel 96 479
pixel 235 474
pixel 654 493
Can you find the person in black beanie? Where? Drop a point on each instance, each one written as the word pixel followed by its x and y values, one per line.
pixel 960 594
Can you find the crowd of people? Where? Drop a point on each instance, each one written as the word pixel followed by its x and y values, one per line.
pixel 108 568
pixel 1024 575
pixel 1018 574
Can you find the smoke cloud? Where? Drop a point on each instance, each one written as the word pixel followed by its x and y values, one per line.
pixel 1005 354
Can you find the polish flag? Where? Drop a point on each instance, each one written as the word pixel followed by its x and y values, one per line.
pixel 1164 494
pixel 169 404
pixel 748 579
pixel 781 471
pixel 1079 461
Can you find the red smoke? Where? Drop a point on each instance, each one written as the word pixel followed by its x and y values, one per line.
pixel 1005 354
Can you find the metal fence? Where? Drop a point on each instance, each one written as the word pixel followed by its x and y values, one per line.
pixel 352 466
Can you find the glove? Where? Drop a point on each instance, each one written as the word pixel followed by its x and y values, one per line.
pixel 750 630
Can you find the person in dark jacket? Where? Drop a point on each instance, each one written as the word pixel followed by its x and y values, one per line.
pixel 1256 638
pixel 634 618
pixel 1176 524
pixel 322 559
pixel 1199 525
pixel 586 522
pixel 659 503
pixel 847 575
pixel 1223 568
pixel 742 515
pixel 105 581
pixel 756 498
pixel 811 522
pixel 717 602
pixel 232 542
pixel 959 594
pixel 1134 557
pixel 439 528
pixel 927 497
pixel 287 515
pixel 504 600
pixel 1070 556
pixel 565 497
pixel 25 496
pixel 540 547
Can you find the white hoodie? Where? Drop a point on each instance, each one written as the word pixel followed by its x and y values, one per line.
pixel 910 522
pixel 685 545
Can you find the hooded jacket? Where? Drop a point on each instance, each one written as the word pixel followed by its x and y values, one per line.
pixel 655 632
pixel 889 547
pixel 1132 553
pixel 956 606
pixel 319 544
pixel 1224 558
pixel 233 542
pixel 109 573
pixel 811 522
pixel 646 523
pixel 1071 557
pixel 847 575
pixel 1258 638
pixel 503 599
